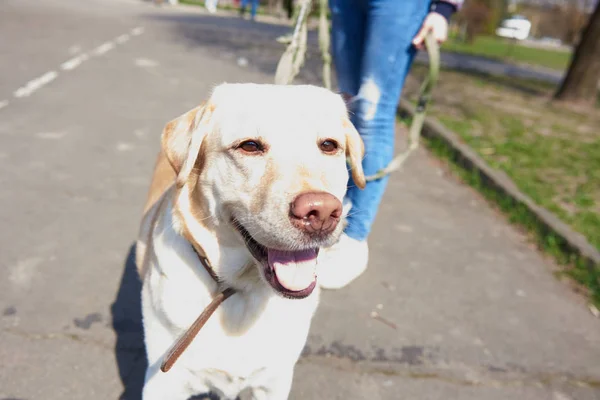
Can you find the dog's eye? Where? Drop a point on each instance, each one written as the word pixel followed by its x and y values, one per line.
pixel 251 146
pixel 329 146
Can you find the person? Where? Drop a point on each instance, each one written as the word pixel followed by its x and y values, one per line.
pixel 289 7
pixel 373 45
pixel 253 8
pixel 211 5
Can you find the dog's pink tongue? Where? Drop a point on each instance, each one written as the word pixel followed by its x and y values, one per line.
pixel 295 270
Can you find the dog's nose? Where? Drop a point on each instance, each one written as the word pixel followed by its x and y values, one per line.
pixel 316 212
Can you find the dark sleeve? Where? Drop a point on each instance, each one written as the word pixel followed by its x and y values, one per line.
pixel 445 7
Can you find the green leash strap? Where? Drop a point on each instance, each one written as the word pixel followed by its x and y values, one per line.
pixel 419 117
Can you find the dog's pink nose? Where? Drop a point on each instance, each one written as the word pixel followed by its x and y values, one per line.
pixel 316 212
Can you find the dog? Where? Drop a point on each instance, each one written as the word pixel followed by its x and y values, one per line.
pixel 246 189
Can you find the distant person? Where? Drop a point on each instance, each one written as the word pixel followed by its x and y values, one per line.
pixel 254 7
pixel 373 45
pixel 211 5
pixel 289 6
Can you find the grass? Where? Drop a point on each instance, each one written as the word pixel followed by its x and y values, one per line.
pixel 507 50
pixel 192 2
pixel 552 154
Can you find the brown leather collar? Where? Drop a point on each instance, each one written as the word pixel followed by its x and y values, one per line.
pixel 205 263
pixel 186 339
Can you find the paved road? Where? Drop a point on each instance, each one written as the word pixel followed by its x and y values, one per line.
pixel 468 310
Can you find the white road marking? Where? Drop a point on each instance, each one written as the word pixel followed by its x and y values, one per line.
pixel 122 39
pixel 74 62
pixel 145 63
pixel 35 84
pixel 3 103
pixel 139 133
pixel 138 30
pixel 51 135
pixel 122 146
pixel 104 48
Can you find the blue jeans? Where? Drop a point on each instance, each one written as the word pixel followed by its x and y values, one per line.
pixel 372 52
pixel 254 6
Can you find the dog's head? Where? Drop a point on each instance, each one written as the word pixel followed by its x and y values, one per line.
pixel 263 168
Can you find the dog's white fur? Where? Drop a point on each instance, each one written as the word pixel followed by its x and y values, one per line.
pixel 201 181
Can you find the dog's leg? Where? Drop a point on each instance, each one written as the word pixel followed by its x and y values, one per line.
pixel 275 387
pixel 173 385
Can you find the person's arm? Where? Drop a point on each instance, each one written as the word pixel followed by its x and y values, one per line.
pixel 437 21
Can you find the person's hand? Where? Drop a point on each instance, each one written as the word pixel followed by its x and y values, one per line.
pixel 435 23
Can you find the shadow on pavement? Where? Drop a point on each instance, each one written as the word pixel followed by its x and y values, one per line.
pixel 127 322
pixel 130 351
pixel 234 38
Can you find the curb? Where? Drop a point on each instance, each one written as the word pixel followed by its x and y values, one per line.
pixel 499 181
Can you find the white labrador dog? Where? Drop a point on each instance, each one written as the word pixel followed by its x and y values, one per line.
pixel 253 181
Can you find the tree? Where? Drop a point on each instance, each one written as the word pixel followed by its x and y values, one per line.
pixel 476 16
pixel 497 13
pixel 575 19
pixel 564 21
pixel 580 85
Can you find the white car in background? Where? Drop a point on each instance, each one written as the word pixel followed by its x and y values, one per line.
pixel 516 27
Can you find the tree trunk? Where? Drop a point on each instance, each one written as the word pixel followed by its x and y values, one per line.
pixel 580 85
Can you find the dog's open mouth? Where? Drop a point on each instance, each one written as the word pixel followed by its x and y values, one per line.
pixel 291 273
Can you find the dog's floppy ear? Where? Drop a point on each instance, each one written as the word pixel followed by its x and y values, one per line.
pixel 354 154
pixel 182 137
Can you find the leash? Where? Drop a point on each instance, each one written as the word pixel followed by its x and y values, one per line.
pixel 416 125
pixel 188 336
pixel 293 58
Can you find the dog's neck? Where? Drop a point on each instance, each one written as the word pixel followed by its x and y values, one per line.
pixel 253 302
pixel 229 260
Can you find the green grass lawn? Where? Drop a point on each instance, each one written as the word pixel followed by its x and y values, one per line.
pixel 503 49
pixel 551 153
